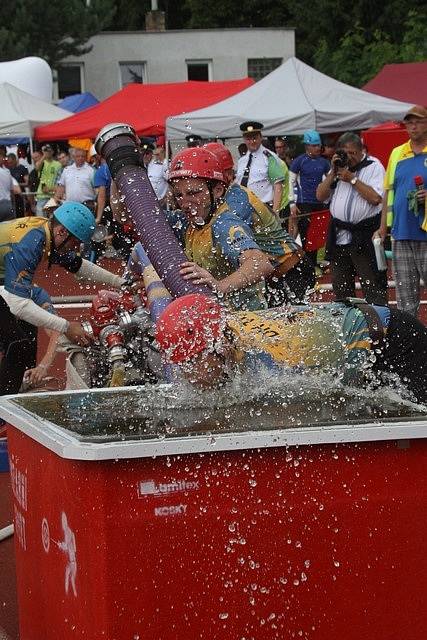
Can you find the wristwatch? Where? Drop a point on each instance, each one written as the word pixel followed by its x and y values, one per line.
pixel 354 180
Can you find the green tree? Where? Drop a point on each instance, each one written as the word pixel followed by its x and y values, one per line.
pixel 324 26
pixel 230 14
pixel 51 31
pixel 361 53
pixel 130 15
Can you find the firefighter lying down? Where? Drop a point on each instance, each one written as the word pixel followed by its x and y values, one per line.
pixel 352 340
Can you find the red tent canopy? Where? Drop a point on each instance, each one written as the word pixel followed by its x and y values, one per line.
pixel 144 106
pixel 382 139
pixel 406 82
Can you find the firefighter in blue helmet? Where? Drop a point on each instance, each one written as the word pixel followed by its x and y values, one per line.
pixel 24 244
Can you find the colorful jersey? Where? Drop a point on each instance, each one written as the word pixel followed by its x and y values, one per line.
pixel 402 168
pixel 310 172
pixel 266 228
pixel 217 247
pixel 42 299
pixel 48 177
pixel 332 336
pixel 24 242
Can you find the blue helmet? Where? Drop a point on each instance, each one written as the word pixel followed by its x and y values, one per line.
pixel 312 137
pixel 77 219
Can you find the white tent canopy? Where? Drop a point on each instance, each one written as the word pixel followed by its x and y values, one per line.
pixel 31 74
pixel 291 99
pixel 20 112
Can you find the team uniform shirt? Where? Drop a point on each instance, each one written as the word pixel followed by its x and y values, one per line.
pixel 157 172
pixel 348 205
pixel 48 177
pixel 264 224
pixel 217 247
pixel 78 183
pixel 23 244
pixel 6 184
pixel 305 174
pixel 402 167
pixel 266 169
pixel 42 299
pixel 331 336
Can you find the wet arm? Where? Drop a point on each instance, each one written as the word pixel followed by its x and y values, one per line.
pixel 277 196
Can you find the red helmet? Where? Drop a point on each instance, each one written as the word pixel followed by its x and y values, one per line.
pixel 196 162
pixel 222 154
pixel 188 326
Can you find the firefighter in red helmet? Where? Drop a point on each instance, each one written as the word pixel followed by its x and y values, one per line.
pixel 293 273
pixel 221 248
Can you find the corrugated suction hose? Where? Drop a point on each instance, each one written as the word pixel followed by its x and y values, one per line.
pixel 118 145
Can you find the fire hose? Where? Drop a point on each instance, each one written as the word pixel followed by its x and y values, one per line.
pixel 118 144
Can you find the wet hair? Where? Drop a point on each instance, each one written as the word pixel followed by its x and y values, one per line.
pixel 350 138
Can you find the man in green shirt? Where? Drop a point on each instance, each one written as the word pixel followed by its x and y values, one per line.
pixel 48 170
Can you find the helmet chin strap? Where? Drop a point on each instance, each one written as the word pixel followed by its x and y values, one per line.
pixel 201 222
pixel 54 249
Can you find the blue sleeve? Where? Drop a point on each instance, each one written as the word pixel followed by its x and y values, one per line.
pixel 237 201
pixel 233 237
pixel 42 299
pixel 178 222
pixel 21 262
pixel 102 177
pixel 296 165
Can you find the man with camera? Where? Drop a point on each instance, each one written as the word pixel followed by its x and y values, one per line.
pixel 354 189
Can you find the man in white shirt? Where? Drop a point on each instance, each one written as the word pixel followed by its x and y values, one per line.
pixel 260 169
pixel 354 187
pixel 76 182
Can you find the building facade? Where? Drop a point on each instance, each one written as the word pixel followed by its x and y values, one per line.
pixel 118 58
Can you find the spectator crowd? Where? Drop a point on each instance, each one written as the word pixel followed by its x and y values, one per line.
pixel 278 197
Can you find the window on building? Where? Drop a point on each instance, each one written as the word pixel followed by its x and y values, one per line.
pixel 258 68
pixel 70 80
pixel 199 69
pixel 131 72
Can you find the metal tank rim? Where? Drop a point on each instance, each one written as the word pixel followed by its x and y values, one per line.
pixel 66 445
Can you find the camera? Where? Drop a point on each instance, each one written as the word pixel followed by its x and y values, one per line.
pixel 342 160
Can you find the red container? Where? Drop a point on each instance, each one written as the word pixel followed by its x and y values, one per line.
pixel 257 536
